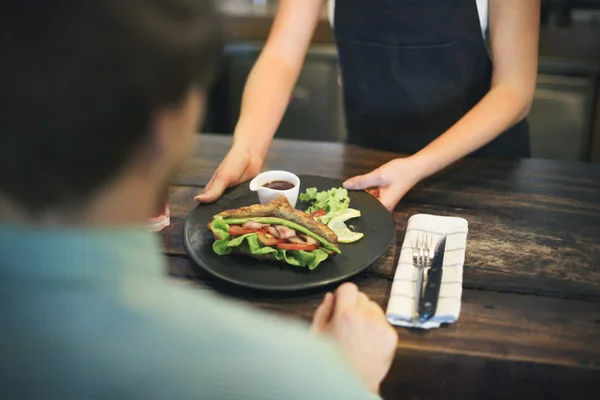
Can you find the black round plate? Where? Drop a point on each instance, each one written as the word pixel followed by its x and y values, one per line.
pixel 375 222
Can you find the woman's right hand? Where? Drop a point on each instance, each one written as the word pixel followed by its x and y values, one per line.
pixel 239 164
pixel 266 94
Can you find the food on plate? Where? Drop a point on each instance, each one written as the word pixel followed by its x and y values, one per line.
pixel 338 225
pixel 331 207
pixel 274 231
pixel 330 202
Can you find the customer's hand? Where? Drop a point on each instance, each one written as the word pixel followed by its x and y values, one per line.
pixel 390 182
pixel 359 327
pixel 239 165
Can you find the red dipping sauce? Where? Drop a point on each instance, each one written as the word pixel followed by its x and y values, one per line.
pixel 279 185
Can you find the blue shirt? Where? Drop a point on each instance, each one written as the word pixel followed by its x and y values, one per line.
pixel 90 314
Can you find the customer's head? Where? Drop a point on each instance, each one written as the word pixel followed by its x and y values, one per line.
pixel 96 94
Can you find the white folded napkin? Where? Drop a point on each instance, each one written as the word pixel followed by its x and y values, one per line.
pixel 401 306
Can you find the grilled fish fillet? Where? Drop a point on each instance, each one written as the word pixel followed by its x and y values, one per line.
pixel 281 208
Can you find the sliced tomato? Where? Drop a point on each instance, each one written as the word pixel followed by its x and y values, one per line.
pixel 318 213
pixel 297 247
pixel 267 239
pixel 237 230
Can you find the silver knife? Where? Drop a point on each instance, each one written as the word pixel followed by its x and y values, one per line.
pixel 429 300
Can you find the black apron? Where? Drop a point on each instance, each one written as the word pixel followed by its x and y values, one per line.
pixel 411 69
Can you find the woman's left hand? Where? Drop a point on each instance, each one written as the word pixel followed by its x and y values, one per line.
pixel 390 182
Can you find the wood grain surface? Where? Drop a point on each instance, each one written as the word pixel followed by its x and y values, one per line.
pixel 530 319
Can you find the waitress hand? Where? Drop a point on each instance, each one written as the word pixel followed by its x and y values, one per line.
pixel 239 165
pixel 389 183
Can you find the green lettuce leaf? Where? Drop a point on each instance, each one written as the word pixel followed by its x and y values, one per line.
pixel 221 229
pixel 309 195
pixel 334 200
pixel 225 245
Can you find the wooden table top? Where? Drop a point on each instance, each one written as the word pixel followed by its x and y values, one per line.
pixel 530 319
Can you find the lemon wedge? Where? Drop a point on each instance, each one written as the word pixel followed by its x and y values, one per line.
pixel 338 226
pixel 346 215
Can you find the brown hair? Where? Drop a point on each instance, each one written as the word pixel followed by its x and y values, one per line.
pixel 80 81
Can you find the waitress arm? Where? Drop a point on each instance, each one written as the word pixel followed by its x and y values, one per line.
pixel 266 94
pixel 514 34
pixel 270 83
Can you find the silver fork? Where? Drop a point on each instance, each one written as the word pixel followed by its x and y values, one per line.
pixel 422 256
